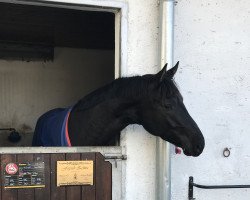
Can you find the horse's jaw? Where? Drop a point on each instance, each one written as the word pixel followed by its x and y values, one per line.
pixel 182 141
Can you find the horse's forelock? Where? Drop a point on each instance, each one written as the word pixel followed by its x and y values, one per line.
pixel 169 88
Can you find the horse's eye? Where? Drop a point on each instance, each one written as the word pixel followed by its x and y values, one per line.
pixel 168 106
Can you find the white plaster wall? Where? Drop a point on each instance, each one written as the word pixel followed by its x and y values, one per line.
pixel 142 54
pixel 28 89
pixel 212 43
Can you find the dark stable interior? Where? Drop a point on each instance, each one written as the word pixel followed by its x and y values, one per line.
pixel 29 31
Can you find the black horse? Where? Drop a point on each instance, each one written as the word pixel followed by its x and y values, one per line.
pixel 152 101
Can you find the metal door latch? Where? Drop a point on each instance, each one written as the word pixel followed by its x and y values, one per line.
pixel 115 158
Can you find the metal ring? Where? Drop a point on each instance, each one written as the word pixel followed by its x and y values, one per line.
pixel 226 152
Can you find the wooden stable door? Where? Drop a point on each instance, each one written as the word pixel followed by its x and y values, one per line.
pixel 100 190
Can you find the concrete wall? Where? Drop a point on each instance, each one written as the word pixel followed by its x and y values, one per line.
pixel 142 50
pixel 212 43
pixel 28 89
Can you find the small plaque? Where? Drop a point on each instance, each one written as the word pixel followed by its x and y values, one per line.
pixel 23 175
pixel 75 173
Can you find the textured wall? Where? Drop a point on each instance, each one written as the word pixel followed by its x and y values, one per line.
pixel 142 58
pixel 212 43
pixel 28 89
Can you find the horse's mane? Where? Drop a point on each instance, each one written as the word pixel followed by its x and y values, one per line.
pixel 128 87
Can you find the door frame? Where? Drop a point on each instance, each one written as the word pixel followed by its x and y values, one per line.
pixel 120 9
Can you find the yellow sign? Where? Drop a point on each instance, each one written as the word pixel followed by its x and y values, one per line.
pixel 75 173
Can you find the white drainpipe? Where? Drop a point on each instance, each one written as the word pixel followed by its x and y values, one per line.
pixel 163 162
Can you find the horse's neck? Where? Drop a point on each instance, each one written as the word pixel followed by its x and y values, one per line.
pixel 122 98
pixel 126 111
pixel 104 120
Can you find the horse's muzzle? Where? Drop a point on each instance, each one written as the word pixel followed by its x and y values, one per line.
pixel 195 151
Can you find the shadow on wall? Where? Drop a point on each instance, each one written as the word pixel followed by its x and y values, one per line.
pixel 8 139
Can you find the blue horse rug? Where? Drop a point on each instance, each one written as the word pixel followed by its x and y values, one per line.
pixel 52 128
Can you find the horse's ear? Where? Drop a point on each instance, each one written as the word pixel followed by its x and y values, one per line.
pixel 170 73
pixel 161 74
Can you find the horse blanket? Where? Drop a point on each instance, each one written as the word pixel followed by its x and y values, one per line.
pixel 52 128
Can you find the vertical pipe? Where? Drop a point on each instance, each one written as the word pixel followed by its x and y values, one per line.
pixel 163 162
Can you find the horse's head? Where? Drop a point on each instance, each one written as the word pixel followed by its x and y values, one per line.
pixel 165 115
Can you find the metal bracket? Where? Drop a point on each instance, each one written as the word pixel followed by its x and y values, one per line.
pixel 113 157
pixel 191 188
